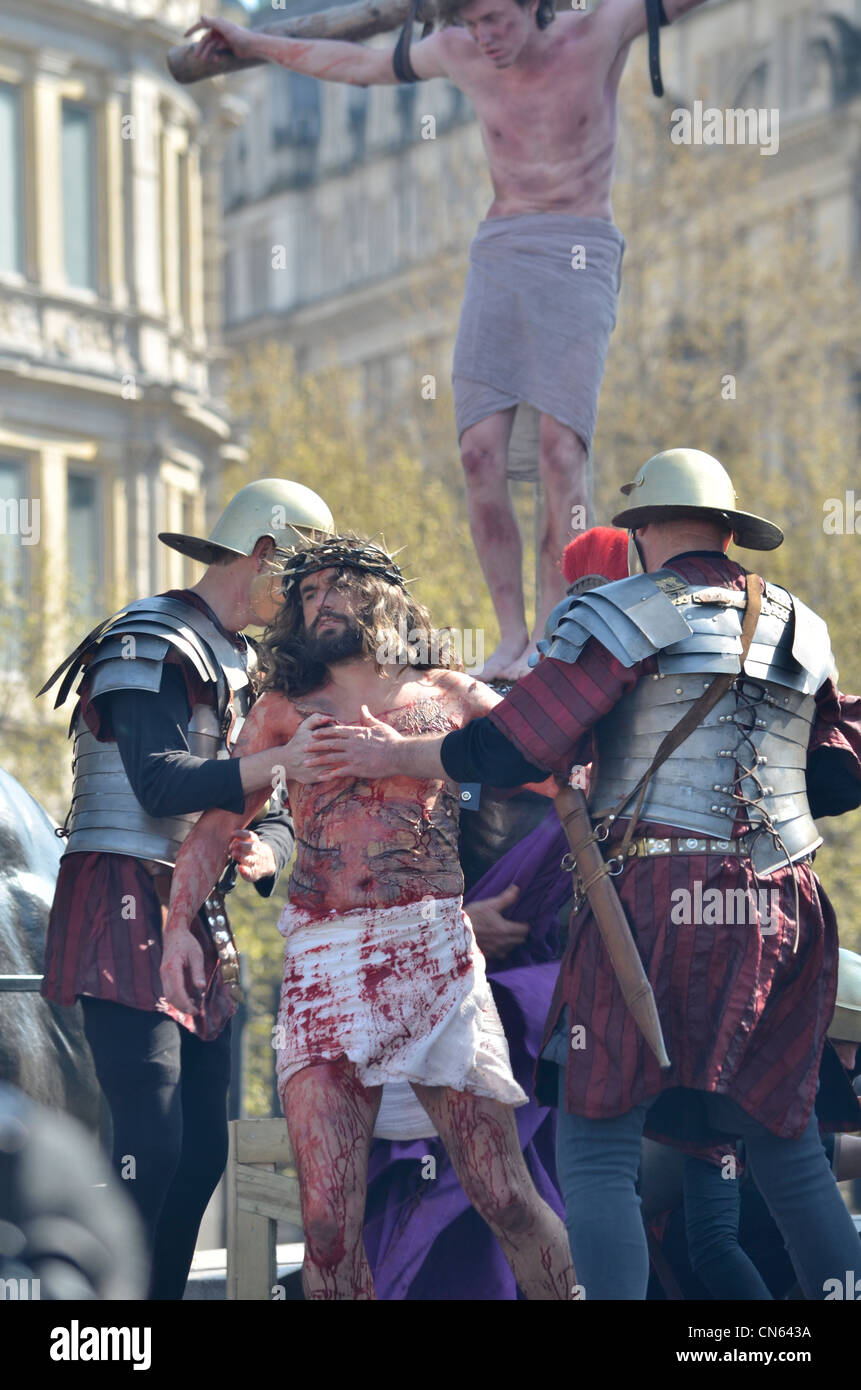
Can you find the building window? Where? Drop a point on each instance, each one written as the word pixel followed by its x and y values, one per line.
pixel 294 108
pixel 190 568
pixel 83 545
pixel 79 195
pixel 16 529
pixel 260 281
pixel 183 237
pixel 19 521
pixel 11 202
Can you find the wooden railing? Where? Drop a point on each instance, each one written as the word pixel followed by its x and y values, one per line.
pixel 257 1198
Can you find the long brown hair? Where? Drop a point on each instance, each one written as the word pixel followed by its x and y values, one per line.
pixel 396 631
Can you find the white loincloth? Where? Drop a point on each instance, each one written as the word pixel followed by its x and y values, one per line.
pixel 403 993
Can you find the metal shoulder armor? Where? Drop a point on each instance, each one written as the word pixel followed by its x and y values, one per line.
pixel 633 618
pixel 128 650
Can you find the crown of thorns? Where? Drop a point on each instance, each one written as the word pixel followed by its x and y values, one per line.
pixel 341 552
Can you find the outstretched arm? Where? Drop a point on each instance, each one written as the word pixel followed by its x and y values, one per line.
pixel 331 60
pixel 374 749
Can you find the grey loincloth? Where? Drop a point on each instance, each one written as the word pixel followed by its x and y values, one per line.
pixel 534 330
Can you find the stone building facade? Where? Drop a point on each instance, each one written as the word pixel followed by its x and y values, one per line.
pixel 108 303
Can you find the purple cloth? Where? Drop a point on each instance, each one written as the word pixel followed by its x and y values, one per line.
pixel 424 1240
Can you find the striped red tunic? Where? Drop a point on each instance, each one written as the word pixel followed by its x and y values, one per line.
pixel 743 1013
pixel 104 940
pixel 105 924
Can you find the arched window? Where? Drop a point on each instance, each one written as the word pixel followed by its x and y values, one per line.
pixel 754 89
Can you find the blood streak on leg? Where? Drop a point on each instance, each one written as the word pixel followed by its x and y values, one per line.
pixel 481 1138
pixel 330 1117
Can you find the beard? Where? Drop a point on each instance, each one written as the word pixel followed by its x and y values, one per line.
pixel 337 644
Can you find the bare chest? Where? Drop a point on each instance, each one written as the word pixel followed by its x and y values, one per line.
pixel 421 714
pixel 548 118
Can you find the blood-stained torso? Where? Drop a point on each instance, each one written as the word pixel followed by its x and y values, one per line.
pixel 389 840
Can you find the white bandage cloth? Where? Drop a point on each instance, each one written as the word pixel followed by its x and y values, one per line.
pixel 403 993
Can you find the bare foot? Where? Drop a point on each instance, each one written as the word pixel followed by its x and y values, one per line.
pixel 503 658
pixel 520 667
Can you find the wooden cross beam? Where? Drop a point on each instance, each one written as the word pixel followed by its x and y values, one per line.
pixel 353 22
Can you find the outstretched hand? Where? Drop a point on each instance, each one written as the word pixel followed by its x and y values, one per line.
pixel 222 36
pixel 354 750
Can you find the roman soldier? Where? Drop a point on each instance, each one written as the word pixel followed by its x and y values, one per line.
pixel 164 686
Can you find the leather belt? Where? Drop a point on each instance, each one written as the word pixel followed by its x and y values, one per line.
pixel 650 846
pixel 654 847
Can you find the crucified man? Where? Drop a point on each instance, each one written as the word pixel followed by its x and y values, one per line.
pixel 544 272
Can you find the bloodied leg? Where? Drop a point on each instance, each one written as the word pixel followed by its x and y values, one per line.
pixel 330 1116
pixel 481 1138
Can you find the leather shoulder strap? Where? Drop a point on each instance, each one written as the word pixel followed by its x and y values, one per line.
pixel 698 710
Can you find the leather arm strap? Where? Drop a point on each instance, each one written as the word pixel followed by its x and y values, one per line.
pixel 401 64
pixel 657 18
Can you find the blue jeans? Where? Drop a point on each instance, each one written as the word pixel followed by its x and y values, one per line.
pixel 598 1162
pixel 712 1215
